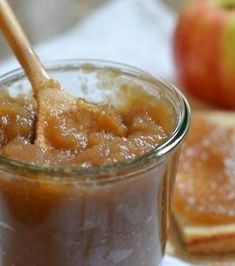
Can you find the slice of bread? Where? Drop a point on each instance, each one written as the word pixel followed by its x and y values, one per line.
pixel 206 239
pixel 199 237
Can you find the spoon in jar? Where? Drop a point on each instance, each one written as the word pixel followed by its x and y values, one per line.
pixel 50 97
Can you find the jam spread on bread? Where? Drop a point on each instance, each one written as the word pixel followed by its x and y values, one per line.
pixel 205 186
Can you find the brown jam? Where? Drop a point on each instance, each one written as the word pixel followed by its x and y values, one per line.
pixel 49 221
pixel 205 186
pixel 90 135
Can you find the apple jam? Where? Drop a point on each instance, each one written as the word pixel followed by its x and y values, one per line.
pixel 97 191
pixel 204 191
pixel 89 135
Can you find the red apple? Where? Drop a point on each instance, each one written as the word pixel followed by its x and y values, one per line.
pixel 204 51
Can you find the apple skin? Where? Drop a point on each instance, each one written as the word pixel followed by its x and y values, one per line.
pixel 204 51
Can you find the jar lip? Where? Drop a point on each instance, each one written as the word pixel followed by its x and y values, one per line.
pixel 95 173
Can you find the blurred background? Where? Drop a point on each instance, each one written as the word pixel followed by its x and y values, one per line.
pixel 134 32
pixel 44 19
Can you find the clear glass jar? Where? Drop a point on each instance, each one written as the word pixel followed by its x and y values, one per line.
pixel 116 214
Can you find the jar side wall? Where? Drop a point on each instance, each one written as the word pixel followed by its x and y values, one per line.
pixel 65 224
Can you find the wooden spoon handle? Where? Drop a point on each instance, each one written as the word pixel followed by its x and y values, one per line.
pixel 19 43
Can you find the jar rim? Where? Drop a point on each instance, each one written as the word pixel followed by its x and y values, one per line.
pixel 117 170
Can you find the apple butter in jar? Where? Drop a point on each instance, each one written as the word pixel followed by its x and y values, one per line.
pixel 98 192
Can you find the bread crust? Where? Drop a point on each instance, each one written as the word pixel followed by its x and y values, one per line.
pixel 206 239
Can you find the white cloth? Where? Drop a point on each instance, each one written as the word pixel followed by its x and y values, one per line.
pixel 171 261
pixel 135 32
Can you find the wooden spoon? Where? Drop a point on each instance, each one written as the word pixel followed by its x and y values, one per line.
pixel 52 100
pixel 48 93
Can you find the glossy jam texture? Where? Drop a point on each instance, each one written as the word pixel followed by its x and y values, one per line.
pixel 205 185
pixel 17 117
pixel 90 135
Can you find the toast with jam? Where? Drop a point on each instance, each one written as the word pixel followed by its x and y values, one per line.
pixel 204 193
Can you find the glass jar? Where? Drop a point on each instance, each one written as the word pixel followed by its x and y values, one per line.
pixel 114 214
